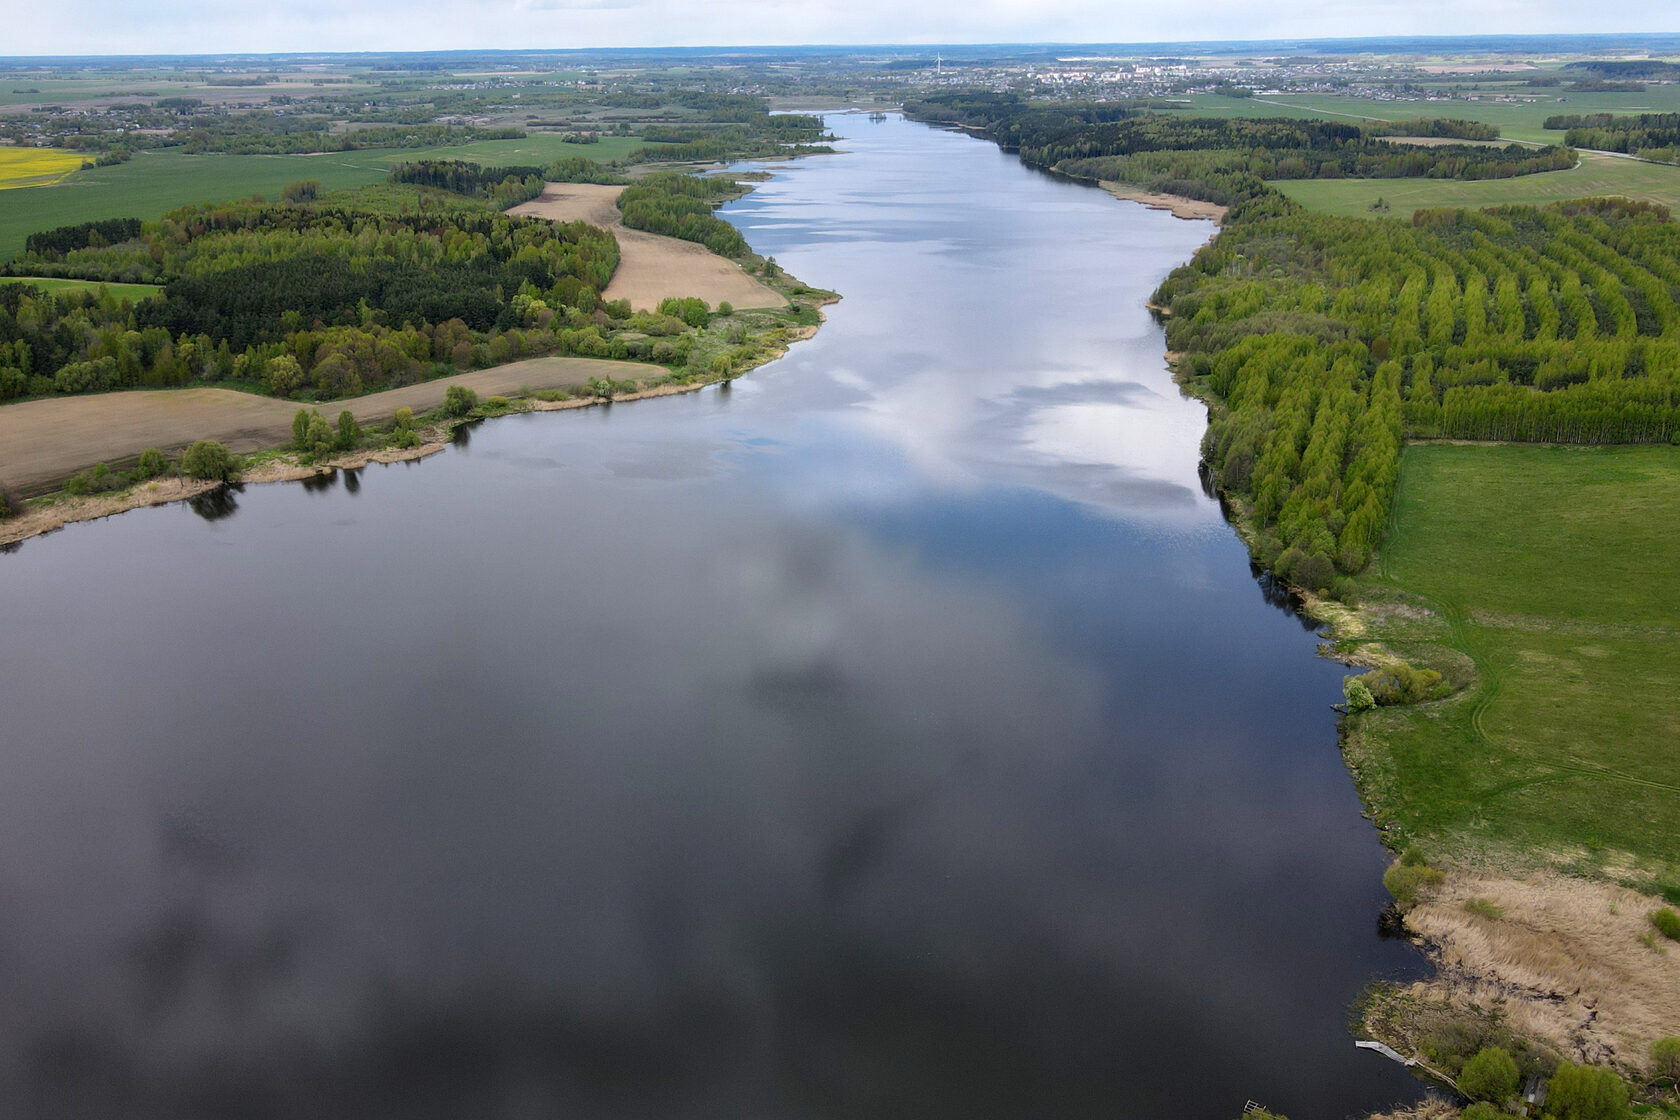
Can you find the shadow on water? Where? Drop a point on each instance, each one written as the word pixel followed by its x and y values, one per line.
pixel 1272 590
pixel 463 434
pixel 320 483
pixel 218 504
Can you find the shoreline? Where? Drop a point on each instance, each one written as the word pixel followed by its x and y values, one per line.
pixel 1558 957
pixel 1190 209
pixel 39 520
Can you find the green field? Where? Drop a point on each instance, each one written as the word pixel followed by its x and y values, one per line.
pixel 155 182
pixel 1597 175
pixel 1549 568
pixel 52 284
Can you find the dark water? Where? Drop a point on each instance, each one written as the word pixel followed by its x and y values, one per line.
pixel 896 733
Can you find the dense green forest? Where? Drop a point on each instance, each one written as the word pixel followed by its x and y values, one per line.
pixel 320 299
pixel 503 186
pixel 784 134
pixel 1324 341
pixel 681 206
pixel 1327 339
pixel 1653 136
pixel 55 243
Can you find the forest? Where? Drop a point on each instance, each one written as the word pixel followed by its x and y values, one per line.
pixel 783 134
pixel 1654 136
pixel 324 300
pixel 681 206
pixel 502 186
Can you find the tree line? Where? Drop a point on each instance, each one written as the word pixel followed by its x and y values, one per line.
pixel 681 206
pixel 53 244
pixel 1648 135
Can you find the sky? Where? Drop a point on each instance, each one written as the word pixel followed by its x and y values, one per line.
pixel 210 26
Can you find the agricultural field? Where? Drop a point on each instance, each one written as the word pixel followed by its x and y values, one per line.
pixel 53 284
pixel 155 182
pixel 1597 175
pixel 1541 567
pixel 35 167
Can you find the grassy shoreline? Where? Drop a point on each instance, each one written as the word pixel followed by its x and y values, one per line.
pixel 1539 933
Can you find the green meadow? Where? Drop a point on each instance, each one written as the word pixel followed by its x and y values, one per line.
pixel 1596 175
pixel 1545 576
pixel 52 284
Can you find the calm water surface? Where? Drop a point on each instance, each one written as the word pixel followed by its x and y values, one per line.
pixel 898 732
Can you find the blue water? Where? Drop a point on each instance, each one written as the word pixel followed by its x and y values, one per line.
pixel 898 731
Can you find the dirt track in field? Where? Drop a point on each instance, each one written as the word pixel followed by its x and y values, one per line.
pixel 651 267
pixel 44 441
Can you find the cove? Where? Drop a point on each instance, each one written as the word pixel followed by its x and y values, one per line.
pixel 898 731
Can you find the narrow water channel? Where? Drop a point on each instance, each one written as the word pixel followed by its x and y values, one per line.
pixel 897 732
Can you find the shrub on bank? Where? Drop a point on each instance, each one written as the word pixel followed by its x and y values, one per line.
pixel 152 463
pixel 1665 1059
pixel 1667 923
pixel 1358 695
pixel 349 432
pixel 1491 1075
pixel 1401 684
pixel 97 480
pixel 1586 1093
pixel 209 461
pixel 1409 878
pixel 458 400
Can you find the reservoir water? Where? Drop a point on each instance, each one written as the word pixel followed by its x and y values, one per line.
pixel 897 732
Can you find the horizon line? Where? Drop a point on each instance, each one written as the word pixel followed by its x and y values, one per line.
pixel 1465 37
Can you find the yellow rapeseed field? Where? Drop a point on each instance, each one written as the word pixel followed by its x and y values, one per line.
pixel 35 167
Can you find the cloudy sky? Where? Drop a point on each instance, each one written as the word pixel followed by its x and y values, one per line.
pixel 199 26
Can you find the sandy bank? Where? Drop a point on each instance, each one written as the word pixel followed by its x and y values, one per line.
pixel 1562 959
pixel 68 510
pixel 651 267
pixel 1180 207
